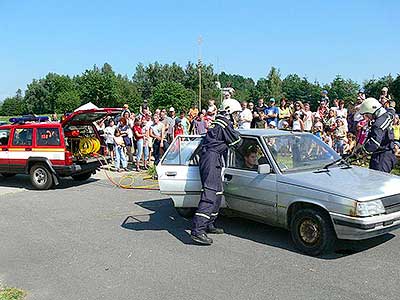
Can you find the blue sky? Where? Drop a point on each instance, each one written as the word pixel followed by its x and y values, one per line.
pixel 317 39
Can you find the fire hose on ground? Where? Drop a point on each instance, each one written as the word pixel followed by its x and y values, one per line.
pixel 127 180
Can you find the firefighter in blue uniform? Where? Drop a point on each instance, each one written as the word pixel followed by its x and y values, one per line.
pixel 219 137
pixel 380 139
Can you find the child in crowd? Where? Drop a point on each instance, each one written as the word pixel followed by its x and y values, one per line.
pixel 259 120
pixel 350 145
pixel 340 136
pixel 178 128
pixel 327 138
pixel 119 151
pixel 199 125
pixel 212 108
pixel 109 137
pixel 362 130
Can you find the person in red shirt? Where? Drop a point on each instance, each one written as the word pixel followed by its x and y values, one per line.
pixel 139 137
pixel 178 128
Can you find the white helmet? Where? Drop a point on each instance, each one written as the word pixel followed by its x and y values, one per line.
pixel 230 106
pixel 369 106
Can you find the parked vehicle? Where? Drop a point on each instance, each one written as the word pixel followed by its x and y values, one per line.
pixel 291 180
pixel 48 151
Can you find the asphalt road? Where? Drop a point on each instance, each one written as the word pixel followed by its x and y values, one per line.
pixel 95 241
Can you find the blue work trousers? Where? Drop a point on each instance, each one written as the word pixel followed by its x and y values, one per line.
pixel 211 196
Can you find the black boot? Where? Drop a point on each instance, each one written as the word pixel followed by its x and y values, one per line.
pixel 215 230
pixel 202 239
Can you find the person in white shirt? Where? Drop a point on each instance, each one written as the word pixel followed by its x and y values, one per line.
pixel 109 137
pixel 212 108
pixel 245 117
pixel 341 111
pixel 307 117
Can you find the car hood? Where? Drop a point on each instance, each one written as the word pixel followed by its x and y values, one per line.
pixel 356 183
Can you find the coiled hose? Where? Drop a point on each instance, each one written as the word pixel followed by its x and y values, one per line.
pixel 88 145
pixel 126 181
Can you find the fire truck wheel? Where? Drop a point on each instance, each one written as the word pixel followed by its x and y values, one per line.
pixel 41 178
pixel 82 177
pixel 8 174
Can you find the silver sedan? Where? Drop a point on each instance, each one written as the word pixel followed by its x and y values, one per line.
pixel 289 180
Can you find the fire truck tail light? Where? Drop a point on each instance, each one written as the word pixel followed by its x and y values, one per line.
pixel 68 158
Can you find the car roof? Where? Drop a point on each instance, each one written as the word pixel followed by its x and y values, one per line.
pixel 267 132
pixel 31 125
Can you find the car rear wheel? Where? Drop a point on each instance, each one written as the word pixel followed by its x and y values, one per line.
pixel 41 177
pixel 8 174
pixel 312 231
pixel 81 177
pixel 186 212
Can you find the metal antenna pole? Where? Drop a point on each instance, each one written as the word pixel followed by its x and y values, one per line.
pixel 200 41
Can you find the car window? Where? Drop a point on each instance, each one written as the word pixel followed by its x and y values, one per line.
pixel 183 151
pixel 47 137
pixel 22 137
pixel 248 156
pixel 299 151
pixel 4 137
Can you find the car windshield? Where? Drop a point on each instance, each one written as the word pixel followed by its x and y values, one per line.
pixel 296 152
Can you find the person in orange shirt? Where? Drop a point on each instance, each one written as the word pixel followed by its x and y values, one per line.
pixel 193 113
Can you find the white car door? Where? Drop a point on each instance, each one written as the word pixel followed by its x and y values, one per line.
pixel 178 171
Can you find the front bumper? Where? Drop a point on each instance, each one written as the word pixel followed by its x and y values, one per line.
pixel 356 228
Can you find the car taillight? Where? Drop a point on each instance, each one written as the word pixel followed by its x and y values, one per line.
pixel 68 158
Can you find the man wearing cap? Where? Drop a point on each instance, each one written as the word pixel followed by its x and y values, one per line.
pixel 271 112
pixel 171 123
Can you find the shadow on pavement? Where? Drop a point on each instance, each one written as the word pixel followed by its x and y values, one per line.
pixel 162 216
pixel 23 181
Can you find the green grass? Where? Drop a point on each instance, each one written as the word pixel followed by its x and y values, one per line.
pixel 12 294
pixel 152 172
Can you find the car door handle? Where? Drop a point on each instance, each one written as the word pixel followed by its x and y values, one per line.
pixel 28 149
pixel 228 177
pixel 170 173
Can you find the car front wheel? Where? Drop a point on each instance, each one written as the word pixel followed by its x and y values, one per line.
pixel 41 177
pixel 312 232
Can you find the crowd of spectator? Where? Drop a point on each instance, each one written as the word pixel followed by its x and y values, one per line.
pixel 137 138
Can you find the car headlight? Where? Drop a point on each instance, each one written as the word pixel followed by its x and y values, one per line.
pixel 369 208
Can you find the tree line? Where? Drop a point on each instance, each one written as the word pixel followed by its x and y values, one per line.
pixel 165 85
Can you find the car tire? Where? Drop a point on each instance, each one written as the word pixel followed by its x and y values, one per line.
pixel 82 177
pixel 186 212
pixel 41 177
pixel 7 175
pixel 312 232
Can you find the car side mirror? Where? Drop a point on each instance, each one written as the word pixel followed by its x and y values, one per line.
pixel 264 169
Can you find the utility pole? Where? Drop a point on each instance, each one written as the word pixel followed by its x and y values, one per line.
pixel 199 41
